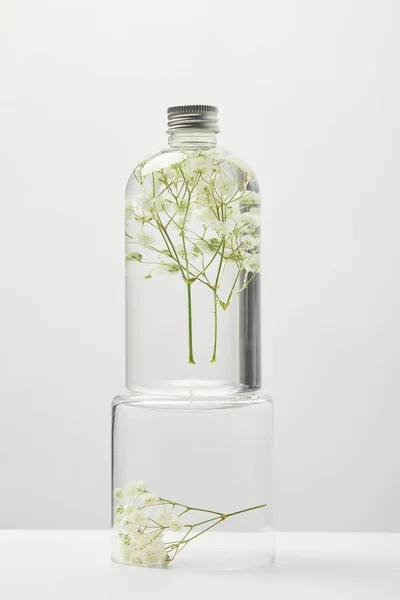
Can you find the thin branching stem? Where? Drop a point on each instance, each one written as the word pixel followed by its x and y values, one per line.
pixel 171 196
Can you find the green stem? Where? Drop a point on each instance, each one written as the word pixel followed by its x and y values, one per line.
pixel 172 253
pixel 190 326
pixel 240 512
pixel 222 518
pixel 245 285
pixel 209 263
pixel 182 190
pixel 203 522
pixel 212 512
pixel 214 356
pixel 188 284
pixel 168 243
pixel 201 532
pixel 233 289
pixel 174 547
pixel 178 546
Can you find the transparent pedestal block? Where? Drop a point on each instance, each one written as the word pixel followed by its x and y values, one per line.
pixel 192 481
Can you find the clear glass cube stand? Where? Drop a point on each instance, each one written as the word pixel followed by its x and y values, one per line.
pixel 192 481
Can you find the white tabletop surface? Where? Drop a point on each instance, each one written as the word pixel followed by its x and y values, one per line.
pixel 76 565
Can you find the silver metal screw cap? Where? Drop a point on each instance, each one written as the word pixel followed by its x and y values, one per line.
pixel 193 116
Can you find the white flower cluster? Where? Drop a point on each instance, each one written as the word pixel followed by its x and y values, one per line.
pixel 192 219
pixel 141 524
pixel 211 189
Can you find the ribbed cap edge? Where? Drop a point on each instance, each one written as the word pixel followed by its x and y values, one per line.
pixel 193 116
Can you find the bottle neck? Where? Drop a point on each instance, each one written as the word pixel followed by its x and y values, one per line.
pixel 192 139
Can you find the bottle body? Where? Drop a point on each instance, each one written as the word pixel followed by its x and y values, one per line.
pixel 205 467
pixel 192 439
pixel 192 274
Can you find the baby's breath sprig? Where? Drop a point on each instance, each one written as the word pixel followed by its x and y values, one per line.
pixel 192 219
pixel 146 518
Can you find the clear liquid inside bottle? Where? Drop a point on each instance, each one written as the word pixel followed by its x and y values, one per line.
pixel 192 271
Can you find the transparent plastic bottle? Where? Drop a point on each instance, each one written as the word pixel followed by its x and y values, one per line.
pixel 192 440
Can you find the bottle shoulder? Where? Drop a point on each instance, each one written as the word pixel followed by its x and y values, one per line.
pixel 188 160
pixel 193 403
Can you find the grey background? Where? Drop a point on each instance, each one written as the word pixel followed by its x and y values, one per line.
pixel 308 94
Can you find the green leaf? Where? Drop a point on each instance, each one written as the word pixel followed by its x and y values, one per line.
pixel 134 256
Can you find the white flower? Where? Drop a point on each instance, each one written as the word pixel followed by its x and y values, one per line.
pixel 251 198
pixel 129 525
pixel 189 168
pixel 142 540
pixel 128 509
pixel 170 174
pixel 202 187
pixel 165 517
pixel 139 207
pixel 158 543
pixel 138 516
pixel 217 153
pixel 130 489
pixel 242 165
pixel 149 499
pixel 250 218
pixel 142 215
pixel 203 163
pixel 118 493
pixel 129 212
pixel 119 509
pixel 225 227
pixel 225 185
pixel 134 488
pixel 204 199
pixel 144 238
pixel 150 556
pixel 125 539
pixel 204 214
pixel 246 221
pixel 165 203
pixel 249 242
pixel 136 558
pixel 154 553
pixel 126 553
pixel 176 524
pixel 196 164
pixel 143 200
pixel 118 520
